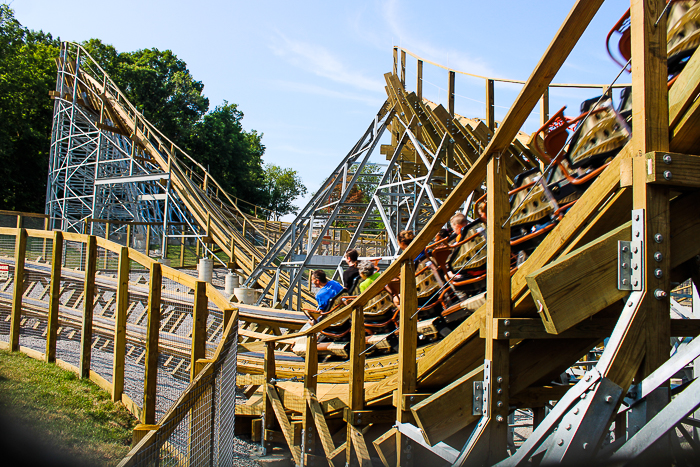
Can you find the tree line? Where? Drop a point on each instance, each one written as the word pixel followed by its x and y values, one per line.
pixel 161 87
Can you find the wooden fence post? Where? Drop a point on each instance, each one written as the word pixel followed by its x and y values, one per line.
pixel 200 313
pixel 52 331
pixel 151 372
pixel 182 248
pixel 419 81
pixel 20 253
pixel 106 238
pixel 120 325
pixel 490 111
pixel 88 307
pixel 268 412
pixel 408 342
pixel 403 68
pixel 310 384
pixel 148 240
pixel 356 380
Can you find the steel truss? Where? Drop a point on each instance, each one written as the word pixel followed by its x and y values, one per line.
pixel 399 201
pixel 95 171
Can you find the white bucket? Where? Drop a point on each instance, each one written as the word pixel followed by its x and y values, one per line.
pixel 231 281
pixel 205 268
pixel 246 295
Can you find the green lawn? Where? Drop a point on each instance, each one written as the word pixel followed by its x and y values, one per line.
pixel 60 416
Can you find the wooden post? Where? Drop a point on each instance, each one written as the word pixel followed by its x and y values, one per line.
pixel 228 312
pixel 122 304
pixel 650 119
pixel 356 379
pixel 43 250
pixel 182 249
pixel 408 341
pixel 19 221
pixel 544 107
pixel 396 61
pixel 106 238
pixel 55 287
pixel 269 373
pixel 18 290
pixel 200 313
pixel 498 303
pixel 148 240
pixel 88 307
pixel 128 235
pixel 419 81
pixel 403 68
pixel 310 384
pixel 451 94
pixel 148 416
pixel 449 149
pixel 490 108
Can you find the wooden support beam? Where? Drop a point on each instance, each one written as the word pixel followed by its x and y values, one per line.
pixel 356 379
pixel 88 307
pixel 121 306
pixel 269 373
pixel 544 107
pixel 319 421
pixel 490 108
pixel 18 289
pixel 672 169
pixel 580 284
pixel 52 327
pixel 650 119
pixel 365 417
pixel 403 68
pixel 200 313
pixel 532 328
pixel 498 304
pixel 408 341
pixel 285 425
pixel 419 81
pixel 310 384
pixel 150 380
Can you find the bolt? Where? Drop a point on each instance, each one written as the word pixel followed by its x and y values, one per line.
pixel 499 404
pixel 477 409
pixel 636 250
pixel 624 265
pixel 624 281
pixel 660 294
pixel 499 380
pixel 560 442
pixel 478 398
pixel 585 446
pixel 635 266
pixel 412 397
pixel 636 283
pixel 636 234
pixel 667 174
pixel 625 249
pixel 506 322
pixel 667 159
pixel 568 426
pixel 499 391
pixel 588 377
pixel 576 411
pixel 608 399
pixel 506 334
pixel 499 418
pixel 583 396
pixel 658 256
pixel 658 238
pixel 658 273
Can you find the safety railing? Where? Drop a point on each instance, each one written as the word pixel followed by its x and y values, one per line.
pixel 139 329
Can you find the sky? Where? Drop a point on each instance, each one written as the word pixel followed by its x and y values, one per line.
pixel 309 75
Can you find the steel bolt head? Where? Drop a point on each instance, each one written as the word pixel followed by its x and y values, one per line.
pixel 499 418
pixel 660 294
pixel 667 174
pixel 635 266
pixel 560 442
pixel 507 334
pixel 506 322
pixel 576 411
pixel 499 391
pixel 568 426
pixel 625 249
pixel 624 265
pixel 635 283
pixel 608 399
pixel 658 238
pixel 667 158
pixel 585 446
pixel 624 281
pixel 499 380
pixel 658 256
pixel 636 234
pixel 658 273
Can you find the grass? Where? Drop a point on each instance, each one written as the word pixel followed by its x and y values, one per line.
pixel 59 415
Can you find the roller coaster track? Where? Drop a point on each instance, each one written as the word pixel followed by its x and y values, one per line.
pixel 211 207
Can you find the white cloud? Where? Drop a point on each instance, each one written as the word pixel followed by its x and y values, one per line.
pixel 321 91
pixel 319 60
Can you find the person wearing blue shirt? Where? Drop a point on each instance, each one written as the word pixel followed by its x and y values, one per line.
pixel 327 289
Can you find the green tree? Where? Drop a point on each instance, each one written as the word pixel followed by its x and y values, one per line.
pixel 230 154
pixel 282 187
pixel 27 74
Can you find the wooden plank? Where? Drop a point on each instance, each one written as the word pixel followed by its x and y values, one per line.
pixel 673 169
pixel 580 284
pixel 365 417
pixel 448 410
pixel 539 396
pixel 385 446
pixel 358 442
pixel 356 379
pixel 533 328
pixel 419 80
pixel 408 342
pixel 88 307
pixel 52 328
pixel 685 327
pixel 278 409
pixel 310 384
pixel 490 110
pixel 321 425
pixel 269 373
pixel 200 313
pixel 16 313
pixel 683 92
pixel 152 335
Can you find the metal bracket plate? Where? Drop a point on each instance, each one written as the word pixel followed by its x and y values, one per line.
pixel 477 398
pixel 630 256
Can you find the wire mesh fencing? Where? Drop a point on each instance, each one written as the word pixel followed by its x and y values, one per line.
pixel 7 274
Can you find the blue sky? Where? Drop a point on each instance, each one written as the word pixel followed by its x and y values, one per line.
pixel 309 75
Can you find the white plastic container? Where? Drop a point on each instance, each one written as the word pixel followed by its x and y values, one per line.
pixel 231 282
pixel 205 268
